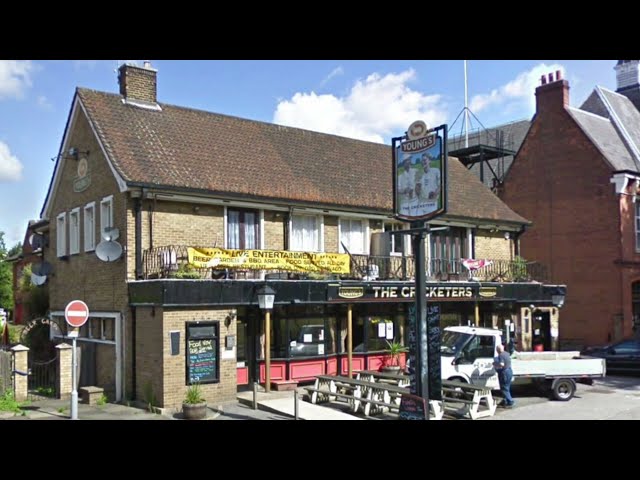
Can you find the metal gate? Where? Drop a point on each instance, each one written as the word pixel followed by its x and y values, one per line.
pixel 42 379
pixel 6 370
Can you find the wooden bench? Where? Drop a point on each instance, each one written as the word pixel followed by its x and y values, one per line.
pixel 477 401
pixel 374 376
pixel 90 395
pixel 372 397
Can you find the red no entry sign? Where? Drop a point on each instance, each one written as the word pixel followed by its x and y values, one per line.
pixel 76 313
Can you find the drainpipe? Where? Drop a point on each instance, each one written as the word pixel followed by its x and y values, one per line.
pixel 134 311
pixel 516 240
pixel 138 211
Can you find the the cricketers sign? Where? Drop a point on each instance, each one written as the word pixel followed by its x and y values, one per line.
pixel 420 173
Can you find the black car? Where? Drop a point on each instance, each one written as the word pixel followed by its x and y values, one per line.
pixel 622 356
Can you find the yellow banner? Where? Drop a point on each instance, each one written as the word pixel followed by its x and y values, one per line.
pixel 269 260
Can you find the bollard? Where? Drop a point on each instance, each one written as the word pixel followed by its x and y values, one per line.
pixel 295 404
pixel 255 395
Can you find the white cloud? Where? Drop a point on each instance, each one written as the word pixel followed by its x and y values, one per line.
pixel 88 64
pixel 44 103
pixel 373 110
pixel 334 73
pixel 520 90
pixel 15 77
pixel 10 166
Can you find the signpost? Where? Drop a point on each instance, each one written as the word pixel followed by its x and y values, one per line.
pixel 76 314
pixel 420 195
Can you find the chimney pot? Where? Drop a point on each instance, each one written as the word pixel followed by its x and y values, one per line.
pixel 558 75
pixel 543 80
pixel 550 77
pixel 147 64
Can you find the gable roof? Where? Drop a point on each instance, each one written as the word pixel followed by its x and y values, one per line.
pixel 612 122
pixel 187 149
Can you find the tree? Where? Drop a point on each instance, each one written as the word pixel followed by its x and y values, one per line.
pixel 6 277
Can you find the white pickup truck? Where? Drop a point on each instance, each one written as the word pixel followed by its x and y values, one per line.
pixel 467 355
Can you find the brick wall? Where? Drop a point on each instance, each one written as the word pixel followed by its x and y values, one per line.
pixel 331 240
pixel 99 284
pixel 560 182
pixel 105 369
pixel 274 230
pixel 174 371
pixel 493 246
pixel 149 351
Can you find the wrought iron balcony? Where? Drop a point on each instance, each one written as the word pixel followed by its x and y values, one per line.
pixel 172 262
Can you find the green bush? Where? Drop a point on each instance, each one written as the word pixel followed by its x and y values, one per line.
pixel 194 394
pixel 186 271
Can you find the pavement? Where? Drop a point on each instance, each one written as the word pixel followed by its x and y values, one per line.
pixel 610 398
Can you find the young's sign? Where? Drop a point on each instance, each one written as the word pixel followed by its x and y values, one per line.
pixel 420 173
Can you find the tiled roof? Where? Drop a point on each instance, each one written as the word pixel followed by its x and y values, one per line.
pixel 613 123
pixel 183 148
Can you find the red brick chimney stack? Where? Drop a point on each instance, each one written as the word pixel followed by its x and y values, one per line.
pixel 553 93
pixel 138 83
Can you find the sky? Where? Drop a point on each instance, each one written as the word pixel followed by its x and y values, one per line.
pixel 372 100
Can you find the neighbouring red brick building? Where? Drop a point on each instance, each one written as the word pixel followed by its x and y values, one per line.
pixel 577 177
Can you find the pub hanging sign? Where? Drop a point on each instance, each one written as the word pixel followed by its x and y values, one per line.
pixel 420 173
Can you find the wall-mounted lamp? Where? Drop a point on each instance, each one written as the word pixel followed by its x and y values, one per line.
pixel 557 300
pixel 507 235
pixel 75 153
pixel 229 318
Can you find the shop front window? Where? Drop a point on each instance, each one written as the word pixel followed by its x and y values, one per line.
pixel 307 337
pixel 379 331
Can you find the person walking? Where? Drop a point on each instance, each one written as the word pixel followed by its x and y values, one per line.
pixel 502 364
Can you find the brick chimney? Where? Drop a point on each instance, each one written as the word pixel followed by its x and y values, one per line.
pixel 628 80
pixel 553 93
pixel 138 83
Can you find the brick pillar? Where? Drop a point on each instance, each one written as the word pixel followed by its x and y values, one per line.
pixel 63 369
pixel 21 364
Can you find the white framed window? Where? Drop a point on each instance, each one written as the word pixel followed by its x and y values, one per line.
pixel 400 244
pixel 106 214
pixel 61 234
pixel 306 233
pixel 354 235
pixel 90 227
pixel 637 205
pixel 74 231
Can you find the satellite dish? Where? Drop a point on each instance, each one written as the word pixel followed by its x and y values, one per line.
pixel 38 279
pixel 41 269
pixel 110 234
pixel 36 241
pixel 108 251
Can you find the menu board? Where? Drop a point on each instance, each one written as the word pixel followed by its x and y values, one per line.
pixel 202 360
pixel 412 407
pixel 433 334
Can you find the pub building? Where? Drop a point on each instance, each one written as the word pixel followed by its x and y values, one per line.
pixel 172 224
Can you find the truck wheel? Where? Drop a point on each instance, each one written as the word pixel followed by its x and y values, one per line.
pixel 562 389
pixel 458 392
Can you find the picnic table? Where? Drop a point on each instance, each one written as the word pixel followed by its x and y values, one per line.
pixel 477 401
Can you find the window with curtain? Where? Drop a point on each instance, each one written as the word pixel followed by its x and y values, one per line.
pixel 400 244
pixel 305 233
pixel 447 248
pixel 352 236
pixel 243 229
pixel 61 235
pixel 637 204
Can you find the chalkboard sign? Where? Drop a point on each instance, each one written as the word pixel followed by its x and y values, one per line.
pixel 412 407
pixel 202 353
pixel 433 334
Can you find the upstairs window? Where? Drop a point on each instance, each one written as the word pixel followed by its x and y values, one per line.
pixel 106 214
pixel 61 235
pixel 90 227
pixel 243 229
pixel 306 233
pixel 400 244
pixel 353 236
pixel 637 204
pixel 74 231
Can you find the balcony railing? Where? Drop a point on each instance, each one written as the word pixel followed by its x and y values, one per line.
pixel 172 262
